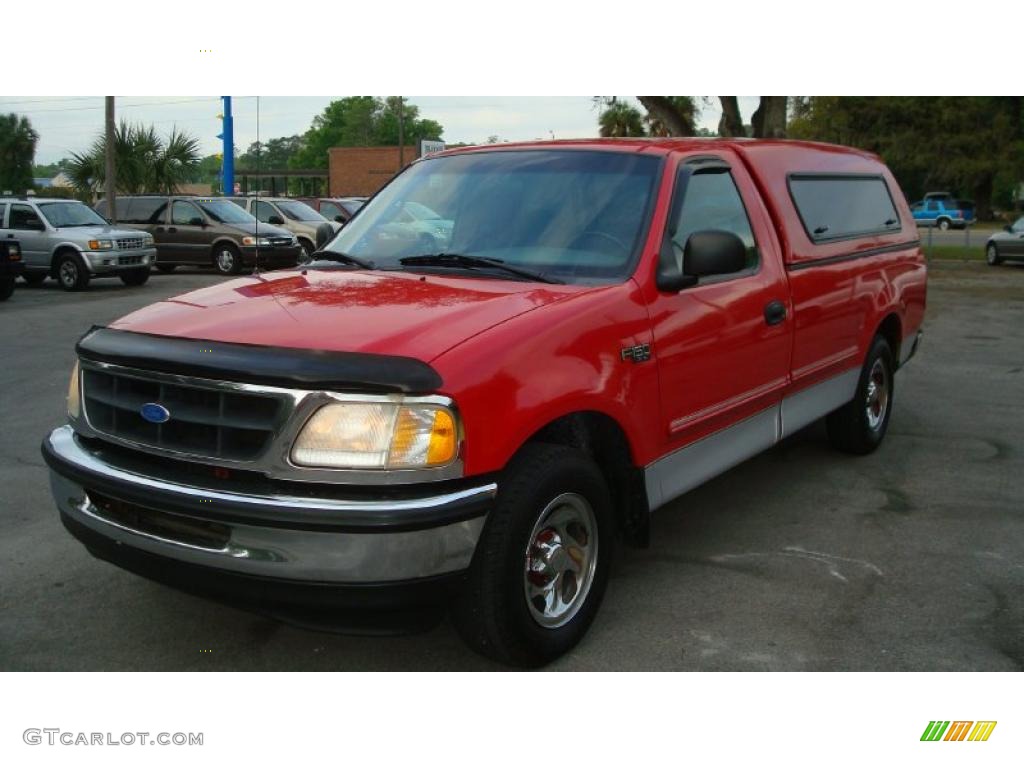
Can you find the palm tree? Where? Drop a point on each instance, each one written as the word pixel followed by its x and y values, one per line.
pixel 621 119
pixel 17 152
pixel 143 161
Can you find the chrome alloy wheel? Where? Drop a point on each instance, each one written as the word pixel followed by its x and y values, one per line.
pixel 561 558
pixel 68 273
pixel 877 401
pixel 225 260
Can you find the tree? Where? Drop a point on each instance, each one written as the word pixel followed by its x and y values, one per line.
pixel 621 119
pixel 969 145
pixel 731 122
pixel 144 162
pixel 17 152
pixel 274 154
pixel 670 115
pixel 361 121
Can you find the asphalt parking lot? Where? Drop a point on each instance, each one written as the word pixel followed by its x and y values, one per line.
pixel 800 559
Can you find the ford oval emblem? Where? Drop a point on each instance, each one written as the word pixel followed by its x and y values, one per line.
pixel 154 413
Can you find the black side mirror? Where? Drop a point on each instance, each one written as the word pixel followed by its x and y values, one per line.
pixel 713 252
pixel 339 218
pixel 324 233
pixel 195 221
pixel 708 252
pixel 273 219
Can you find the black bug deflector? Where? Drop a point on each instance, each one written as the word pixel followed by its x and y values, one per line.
pixel 257 364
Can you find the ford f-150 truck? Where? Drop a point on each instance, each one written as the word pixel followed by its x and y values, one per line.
pixel 472 415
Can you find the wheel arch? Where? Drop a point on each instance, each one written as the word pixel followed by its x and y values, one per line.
pixel 891 329
pixel 604 440
pixel 60 250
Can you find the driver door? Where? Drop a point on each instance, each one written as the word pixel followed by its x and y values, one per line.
pixel 27 227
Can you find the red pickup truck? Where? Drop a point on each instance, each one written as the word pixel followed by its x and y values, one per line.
pixel 470 408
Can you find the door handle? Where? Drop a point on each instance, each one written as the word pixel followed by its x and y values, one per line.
pixel 159 229
pixel 774 312
pixel 172 229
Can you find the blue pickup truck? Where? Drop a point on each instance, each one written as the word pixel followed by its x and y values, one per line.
pixel 942 210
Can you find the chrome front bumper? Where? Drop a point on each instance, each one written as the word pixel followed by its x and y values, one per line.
pixel 295 538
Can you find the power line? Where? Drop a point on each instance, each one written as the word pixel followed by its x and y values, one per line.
pixel 100 106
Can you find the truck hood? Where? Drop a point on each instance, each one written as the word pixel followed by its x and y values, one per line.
pixel 97 231
pixel 389 313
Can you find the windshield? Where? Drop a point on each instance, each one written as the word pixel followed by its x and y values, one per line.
pixel 299 211
pixel 569 215
pixel 226 212
pixel 71 215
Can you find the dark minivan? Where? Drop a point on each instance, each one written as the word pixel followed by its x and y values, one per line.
pixel 205 231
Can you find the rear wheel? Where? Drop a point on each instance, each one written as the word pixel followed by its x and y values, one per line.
pixel 165 268
pixel 944 224
pixel 859 426
pixel 6 288
pixel 992 255
pixel 71 272
pixel 34 278
pixel 227 260
pixel 135 276
pixel 541 565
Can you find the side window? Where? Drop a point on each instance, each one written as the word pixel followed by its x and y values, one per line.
pixel 330 210
pixel 713 202
pixel 24 217
pixel 263 211
pixel 124 209
pixel 933 205
pixel 183 213
pixel 1018 225
pixel 839 206
pixel 917 207
pixel 147 210
pixel 239 201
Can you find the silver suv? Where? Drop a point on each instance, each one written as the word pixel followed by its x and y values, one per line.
pixel 69 241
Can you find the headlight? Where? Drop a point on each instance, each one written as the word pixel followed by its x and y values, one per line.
pixel 74 400
pixel 147 239
pixel 101 245
pixel 262 242
pixel 377 436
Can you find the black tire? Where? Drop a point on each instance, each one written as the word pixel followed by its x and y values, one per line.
pixel 165 268
pixel 856 428
pixel 6 288
pixel 944 224
pixel 34 278
pixel 135 277
pixel 71 272
pixel 226 259
pixel 491 612
pixel 305 249
pixel 992 255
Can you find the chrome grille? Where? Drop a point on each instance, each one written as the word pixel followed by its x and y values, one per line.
pixel 278 242
pixel 207 422
pixel 130 243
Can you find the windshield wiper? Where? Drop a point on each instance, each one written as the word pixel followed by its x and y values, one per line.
pixel 341 258
pixel 472 262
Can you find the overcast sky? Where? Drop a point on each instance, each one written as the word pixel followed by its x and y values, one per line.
pixel 69 124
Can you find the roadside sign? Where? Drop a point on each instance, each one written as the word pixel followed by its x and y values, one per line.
pixel 430 147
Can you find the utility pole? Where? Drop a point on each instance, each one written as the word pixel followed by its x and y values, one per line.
pixel 109 180
pixel 401 135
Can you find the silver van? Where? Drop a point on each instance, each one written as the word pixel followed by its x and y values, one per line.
pixel 290 214
pixel 69 241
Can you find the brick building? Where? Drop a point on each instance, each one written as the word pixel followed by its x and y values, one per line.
pixel 363 170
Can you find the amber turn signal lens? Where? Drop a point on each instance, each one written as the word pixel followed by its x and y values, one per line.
pixel 443 443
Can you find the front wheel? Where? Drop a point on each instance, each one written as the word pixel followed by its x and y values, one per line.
pixel 71 272
pixel 227 260
pixel 992 255
pixel 859 426
pixel 541 565
pixel 945 224
pixel 135 276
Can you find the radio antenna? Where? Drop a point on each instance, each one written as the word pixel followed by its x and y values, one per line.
pixel 259 151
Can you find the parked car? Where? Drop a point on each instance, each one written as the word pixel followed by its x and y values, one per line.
pixel 10 266
pixel 339 209
pixel 612 323
pixel 1008 244
pixel 288 213
pixel 942 210
pixel 67 240
pixel 205 232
